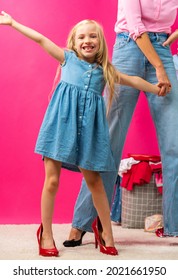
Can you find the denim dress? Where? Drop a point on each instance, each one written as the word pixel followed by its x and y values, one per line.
pixel 74 130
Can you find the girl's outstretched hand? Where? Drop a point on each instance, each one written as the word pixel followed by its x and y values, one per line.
pixel 5 18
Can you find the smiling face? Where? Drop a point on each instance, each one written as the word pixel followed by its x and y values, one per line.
pixel 87 42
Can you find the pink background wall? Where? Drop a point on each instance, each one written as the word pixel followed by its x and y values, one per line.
pixel 26 74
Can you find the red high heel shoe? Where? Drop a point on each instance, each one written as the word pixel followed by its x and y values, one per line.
pixel 45 252
pixel 96 226
pixel 160 233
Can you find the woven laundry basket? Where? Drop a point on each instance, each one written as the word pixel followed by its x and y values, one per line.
pixel 141 202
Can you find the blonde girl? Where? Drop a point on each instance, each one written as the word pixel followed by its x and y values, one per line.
pixel 74 131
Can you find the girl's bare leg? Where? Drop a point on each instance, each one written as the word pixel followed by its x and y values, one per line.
pixel 51 183
pixel 100 201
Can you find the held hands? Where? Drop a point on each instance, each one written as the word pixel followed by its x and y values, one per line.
pixel 163 82
pixel 5 19
pixel 162 90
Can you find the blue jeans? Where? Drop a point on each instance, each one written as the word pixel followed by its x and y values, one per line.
pixel 128 59
pixel 116 207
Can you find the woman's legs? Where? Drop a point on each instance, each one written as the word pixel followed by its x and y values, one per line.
pixel 100 202
pixel 164 111
pixel 51 183
pixel 119 120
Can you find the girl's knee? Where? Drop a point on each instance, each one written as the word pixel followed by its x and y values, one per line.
pixel 94 181
pixel 92 178
pixel 51 184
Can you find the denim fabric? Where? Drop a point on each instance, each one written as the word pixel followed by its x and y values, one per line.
pixel 116 208
pixel 129 59
pixel 175 59
pixel 75 130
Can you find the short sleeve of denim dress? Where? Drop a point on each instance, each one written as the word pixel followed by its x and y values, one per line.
pixel 74 130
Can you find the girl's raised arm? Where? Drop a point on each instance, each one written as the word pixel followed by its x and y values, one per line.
pixel 139 83
pixel 45 43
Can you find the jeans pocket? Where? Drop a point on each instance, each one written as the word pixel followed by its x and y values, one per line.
pixel 161 40
pixel 121 41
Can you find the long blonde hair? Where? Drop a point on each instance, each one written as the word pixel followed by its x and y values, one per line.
pixel 111 75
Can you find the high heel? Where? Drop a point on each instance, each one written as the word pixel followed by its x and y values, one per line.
pixel 96 226
pixel 73 242
pixel 53 252
pixel 160 233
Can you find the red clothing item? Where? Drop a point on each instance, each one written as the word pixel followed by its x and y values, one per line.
pixel 156 167
pixel 157 172
pixel 139 174
pixel 159 181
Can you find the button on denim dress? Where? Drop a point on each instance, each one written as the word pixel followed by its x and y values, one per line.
pixel 74 130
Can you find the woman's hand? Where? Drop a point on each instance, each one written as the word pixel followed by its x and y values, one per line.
pixel 162 91
pixel 148 50
pixel 171 38
pixel 5 19
pixel 163 81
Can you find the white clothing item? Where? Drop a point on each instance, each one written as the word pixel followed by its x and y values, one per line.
pixel 126 165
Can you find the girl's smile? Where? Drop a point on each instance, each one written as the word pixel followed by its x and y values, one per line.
pixel 87 42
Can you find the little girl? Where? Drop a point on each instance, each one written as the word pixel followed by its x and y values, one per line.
pixel 75 130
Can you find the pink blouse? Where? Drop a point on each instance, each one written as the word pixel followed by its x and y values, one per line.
pixel 139 16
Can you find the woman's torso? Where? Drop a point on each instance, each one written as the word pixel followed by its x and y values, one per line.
pixel 140 16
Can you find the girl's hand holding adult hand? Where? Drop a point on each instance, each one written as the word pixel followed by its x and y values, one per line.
pixel 163 82
pixel 162 91
pixel 5 19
